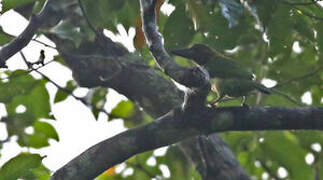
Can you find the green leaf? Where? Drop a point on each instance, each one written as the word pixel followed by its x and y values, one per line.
pixel 98 100
pixel 179 29
pixel 36 102
pixel 277 146
pixel 265 10
pixel 20 166
pixel 40 173
pixel 39 138
pixel 123 110
pixel 303 25
pixel 68 31
pixel 279 32
pixel 60 60
pixel 20 83
pixel 47 129
pixel 129 14
pixel 101 13
pixel 11 4
pixel 62 95
pixel 4 37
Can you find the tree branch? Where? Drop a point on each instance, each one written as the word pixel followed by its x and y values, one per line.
pixel 67 91
pixel 178 125
pixel 190 77
pixel 298 78
pixel 26 36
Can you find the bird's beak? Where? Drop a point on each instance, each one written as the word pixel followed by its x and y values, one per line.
pixel 186 53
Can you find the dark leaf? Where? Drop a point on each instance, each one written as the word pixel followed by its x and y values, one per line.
pixel 20 166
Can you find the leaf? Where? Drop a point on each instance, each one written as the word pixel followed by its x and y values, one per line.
pixel 277 147
pixel 40 173
pixel 67 30
pixel 47 129
pixel 42 133
pixel 4 37
pixel 20 166
pixel 62 95
pixel 129 14
pixel 122 110
pixel 36 102
pixel 98 100
pixel 303 25
pixel 12 4
pixel 101 13
pixel 279 33
pixel 265 10
pixel 60 60
pixel 20 83
pixel 179 29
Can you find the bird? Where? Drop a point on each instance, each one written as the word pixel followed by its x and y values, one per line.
pixel 41 58
pixel 216 63
pixel 228 77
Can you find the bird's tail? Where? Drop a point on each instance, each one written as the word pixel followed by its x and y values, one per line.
pixel 266 90
pixel 263 88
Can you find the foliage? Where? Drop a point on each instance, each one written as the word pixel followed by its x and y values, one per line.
pixel 263 35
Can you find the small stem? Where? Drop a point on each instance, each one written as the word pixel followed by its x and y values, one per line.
pixel 307 75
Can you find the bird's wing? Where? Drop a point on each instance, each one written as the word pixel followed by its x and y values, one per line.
pixel 232 69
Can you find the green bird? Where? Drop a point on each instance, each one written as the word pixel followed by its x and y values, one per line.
pixel 228 77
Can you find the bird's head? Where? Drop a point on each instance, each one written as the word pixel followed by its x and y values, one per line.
pixel 200 53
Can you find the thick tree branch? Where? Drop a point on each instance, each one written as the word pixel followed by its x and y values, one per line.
pixel 177 125
pixel 190 77
pixel 141 84
pixel 36 21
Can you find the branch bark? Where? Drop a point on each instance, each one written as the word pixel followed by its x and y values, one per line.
pixel 178 125
pixel 190 77
pixel 142 85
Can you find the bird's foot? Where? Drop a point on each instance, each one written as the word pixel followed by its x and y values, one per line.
pixel 213 105
pixel 244 105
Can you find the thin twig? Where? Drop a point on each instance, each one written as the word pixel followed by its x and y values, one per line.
pixel 67 91
pixel 307 75
pixel 27 72
pixel 290 98
pixel 45 44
